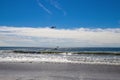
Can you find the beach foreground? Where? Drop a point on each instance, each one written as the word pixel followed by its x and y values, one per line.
pixel 58 71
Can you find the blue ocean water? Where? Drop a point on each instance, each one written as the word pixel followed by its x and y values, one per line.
pixel 77 49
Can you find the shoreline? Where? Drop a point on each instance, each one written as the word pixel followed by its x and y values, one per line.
pixel 56 71
pixel 52 62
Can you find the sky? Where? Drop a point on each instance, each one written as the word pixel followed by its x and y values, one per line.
pixel 79 23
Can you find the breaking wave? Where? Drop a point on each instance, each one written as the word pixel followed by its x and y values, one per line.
pixel 60 57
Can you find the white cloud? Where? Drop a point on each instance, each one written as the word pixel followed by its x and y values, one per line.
pixel 82 37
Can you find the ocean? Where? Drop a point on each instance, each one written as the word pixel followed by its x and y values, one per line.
pixel 87 55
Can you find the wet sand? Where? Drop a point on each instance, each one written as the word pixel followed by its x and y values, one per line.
pixel 58 71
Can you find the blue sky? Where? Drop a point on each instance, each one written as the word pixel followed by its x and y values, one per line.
pixel 80 23
pixel 67 14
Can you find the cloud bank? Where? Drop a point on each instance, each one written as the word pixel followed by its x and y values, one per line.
pixel 47 37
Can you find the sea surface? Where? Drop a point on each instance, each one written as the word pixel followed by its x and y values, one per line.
pixel 91 55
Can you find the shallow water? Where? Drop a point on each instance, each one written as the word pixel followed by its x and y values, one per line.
pixel 56 71
pixel 10 56
pixel 60 66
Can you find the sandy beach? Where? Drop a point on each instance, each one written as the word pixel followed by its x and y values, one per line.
pixel 58 71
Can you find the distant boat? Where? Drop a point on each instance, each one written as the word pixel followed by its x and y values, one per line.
pixel 56 48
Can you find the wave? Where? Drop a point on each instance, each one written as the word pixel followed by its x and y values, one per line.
pixel 57 52
pixel 60 57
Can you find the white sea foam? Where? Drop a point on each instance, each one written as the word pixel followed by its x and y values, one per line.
pixel 9 56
